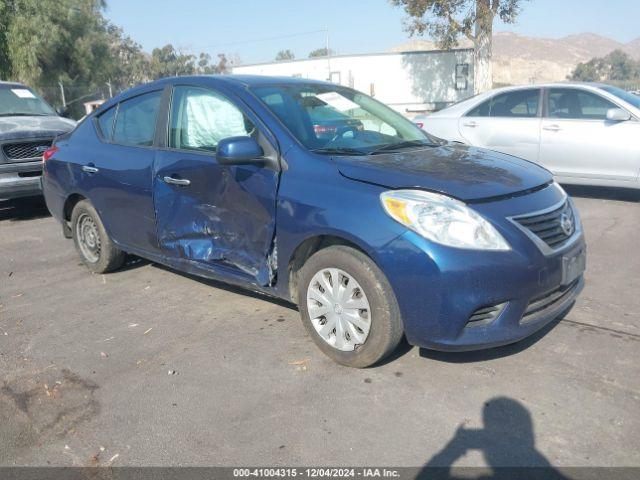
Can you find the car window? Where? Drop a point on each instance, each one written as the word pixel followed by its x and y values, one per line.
pixel 135 122
pixel 329 118
pixel 200 118
pixel 16 100
pixel 105 122
pixel 517 104
pixel 628 97
pixel 577 104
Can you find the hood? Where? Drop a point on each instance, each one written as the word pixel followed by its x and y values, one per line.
pixel 34 127
pixel 465 173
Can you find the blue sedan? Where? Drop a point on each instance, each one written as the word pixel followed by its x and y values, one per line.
pixel 375 231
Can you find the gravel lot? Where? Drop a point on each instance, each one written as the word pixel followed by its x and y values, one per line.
pixel 147 366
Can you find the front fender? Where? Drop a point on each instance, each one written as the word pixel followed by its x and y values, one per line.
pixel 337 207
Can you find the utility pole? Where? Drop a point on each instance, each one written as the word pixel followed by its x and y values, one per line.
pixel 64 100
pixel 328 54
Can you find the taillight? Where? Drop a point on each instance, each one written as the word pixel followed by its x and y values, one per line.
pixel 419 124
pixel 324 129
pixel 48 153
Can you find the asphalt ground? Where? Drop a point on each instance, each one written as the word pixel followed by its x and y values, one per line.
pixel 147 366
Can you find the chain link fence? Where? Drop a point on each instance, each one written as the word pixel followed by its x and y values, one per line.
pixel 74 97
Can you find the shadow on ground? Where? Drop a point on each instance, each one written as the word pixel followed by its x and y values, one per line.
pixel 506 442
pixel 28 208
pixel 604 193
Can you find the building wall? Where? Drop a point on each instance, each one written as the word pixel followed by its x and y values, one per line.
pixel 410 82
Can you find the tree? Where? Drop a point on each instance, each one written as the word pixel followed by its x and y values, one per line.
pixel 320 52
pixel 129 65
pixel 43 42
pixel 5 64
pixel 447 20
pixel 285 55
pixel 617 66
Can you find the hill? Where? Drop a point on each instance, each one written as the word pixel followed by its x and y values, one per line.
pixel 523 59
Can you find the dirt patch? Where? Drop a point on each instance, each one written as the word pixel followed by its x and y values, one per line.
pixel 42 406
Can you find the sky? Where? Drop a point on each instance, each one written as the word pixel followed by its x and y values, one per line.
pixel 255 30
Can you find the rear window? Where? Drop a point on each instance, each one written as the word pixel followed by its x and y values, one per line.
pixel 516 104
pixel 135 122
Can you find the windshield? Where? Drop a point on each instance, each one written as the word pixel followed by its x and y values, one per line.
pixel 19 101
pixel 333 119
pixel 623 95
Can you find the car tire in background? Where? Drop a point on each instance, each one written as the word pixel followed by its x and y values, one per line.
pixel 96 249
pixel 348 307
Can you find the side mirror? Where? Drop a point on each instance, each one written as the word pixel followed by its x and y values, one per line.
pixel 239 151
pixel 63 111
pixel 618 115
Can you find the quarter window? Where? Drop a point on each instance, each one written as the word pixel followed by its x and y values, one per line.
pixel 577 104
pixel 105 122
pixel 201 118
pixel 135 122
pixel 517 104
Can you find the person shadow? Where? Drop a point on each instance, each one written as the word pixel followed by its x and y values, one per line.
pixel 507 443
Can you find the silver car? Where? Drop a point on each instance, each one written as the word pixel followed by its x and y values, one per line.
pixel 585 133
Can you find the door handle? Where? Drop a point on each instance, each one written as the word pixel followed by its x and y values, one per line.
pixel 470 124
pixel 552 128
pixel 88 169
pixel 183 182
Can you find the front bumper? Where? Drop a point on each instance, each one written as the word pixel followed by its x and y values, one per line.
pixel 440 290
pixel 20 180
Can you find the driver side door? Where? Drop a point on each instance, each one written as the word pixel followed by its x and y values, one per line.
pixel 221 217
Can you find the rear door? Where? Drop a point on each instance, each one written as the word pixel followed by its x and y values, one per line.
pixel 118 175
pixel 508 122
pixel 578 141
pixel 221 217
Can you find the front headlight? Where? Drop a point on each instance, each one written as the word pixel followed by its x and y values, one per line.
pixel 442 219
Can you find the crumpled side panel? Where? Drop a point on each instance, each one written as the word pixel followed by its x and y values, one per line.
pixel 226 216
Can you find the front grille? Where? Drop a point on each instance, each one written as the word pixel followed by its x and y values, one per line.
pixel 539 306
pixel 553 228
pixel 26 150
pixel 485 315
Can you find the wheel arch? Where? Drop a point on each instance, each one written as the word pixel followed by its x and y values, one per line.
pixel 307 248
pixel 69 204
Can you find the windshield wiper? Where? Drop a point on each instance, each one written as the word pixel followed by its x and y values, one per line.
pixel 401 145
pixel 340 151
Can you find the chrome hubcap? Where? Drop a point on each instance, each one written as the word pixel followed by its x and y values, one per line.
pixel 88 238
pixel 339 309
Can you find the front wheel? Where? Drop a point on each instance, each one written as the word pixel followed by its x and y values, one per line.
pixel 348 307
pixel 96 249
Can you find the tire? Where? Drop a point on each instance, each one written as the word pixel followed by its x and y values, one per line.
pixel 382 318
pixel 88 230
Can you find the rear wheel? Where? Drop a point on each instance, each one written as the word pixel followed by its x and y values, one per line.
pixel 348 307
pixel 96 249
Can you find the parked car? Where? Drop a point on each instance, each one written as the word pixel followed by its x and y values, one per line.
pixel 327 121
pixel 28 126
pixel 375 233
pixel 584 133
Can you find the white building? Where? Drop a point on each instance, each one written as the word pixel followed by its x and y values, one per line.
pixel 410 82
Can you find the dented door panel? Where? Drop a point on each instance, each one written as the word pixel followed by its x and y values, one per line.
pixel 225 216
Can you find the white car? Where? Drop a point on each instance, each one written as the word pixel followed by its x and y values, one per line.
pixel 585 133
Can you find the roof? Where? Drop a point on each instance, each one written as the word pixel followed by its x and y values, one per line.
pixel 354 55
pixel 230 79
pixel 246 80
pixel 551 85
pixel 11 84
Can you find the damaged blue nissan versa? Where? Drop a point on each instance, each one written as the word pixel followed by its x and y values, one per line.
pixel 375 230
